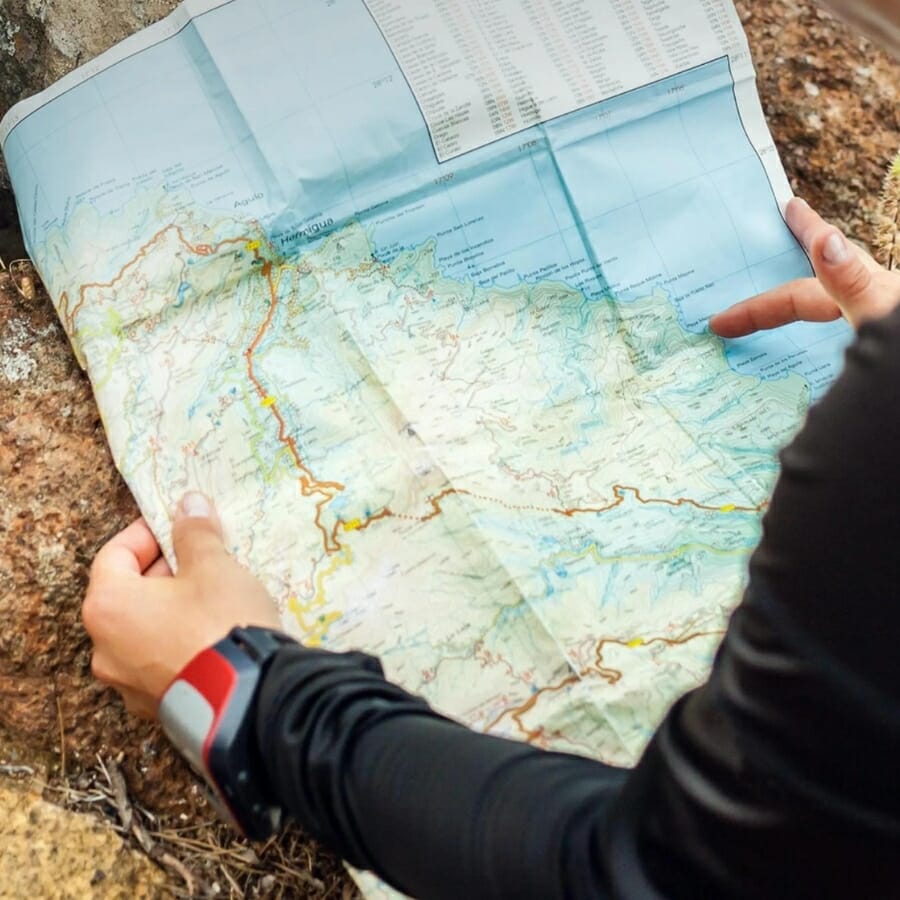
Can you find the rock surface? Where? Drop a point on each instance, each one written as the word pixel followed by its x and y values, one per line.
pixel 69 855
pixel 60 498
pixel 833 103
pixel 831 99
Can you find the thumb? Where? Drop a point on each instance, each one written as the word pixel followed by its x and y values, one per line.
pixel 843 269
pixel 196 533
pixel 844 274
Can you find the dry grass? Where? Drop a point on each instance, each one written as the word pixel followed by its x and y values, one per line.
pixel 206 859
pixel 887 238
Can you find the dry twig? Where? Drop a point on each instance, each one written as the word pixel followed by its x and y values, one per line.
pixel 62 737
pixel 22 272
pixel 17 771
pixel 207 859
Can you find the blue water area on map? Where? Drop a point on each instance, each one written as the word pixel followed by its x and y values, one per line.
pixel 302 120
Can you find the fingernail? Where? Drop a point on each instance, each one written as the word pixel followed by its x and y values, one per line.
pixel 836 250
pixel 195 505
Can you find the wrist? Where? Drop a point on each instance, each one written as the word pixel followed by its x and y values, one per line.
pixel 208 712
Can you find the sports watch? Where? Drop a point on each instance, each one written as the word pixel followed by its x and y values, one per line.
pixel 207 714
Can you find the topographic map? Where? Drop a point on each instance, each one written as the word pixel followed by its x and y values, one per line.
pixel 417 291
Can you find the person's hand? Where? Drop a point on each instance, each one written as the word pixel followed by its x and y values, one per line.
pixel 849 283
pixel 146 623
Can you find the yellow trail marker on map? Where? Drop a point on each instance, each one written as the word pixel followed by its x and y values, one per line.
pixel 253 245
pixel 728 508
pixel 315 632
pixel 267 402
pixel 352 525
pixel 637 642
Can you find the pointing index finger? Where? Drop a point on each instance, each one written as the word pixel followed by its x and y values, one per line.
pixel 799 301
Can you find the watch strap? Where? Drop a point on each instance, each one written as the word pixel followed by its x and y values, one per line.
pixel 208 714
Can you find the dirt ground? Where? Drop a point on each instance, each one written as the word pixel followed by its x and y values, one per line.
pixel 832 102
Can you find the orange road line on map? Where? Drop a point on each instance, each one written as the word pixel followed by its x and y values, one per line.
pixel 309 485
pixel 517 712
pixel 435 503
pixel 619 489
pixel 684 501
pixel 327 489
pixel 613 676
pixel 200 249
pixel 361 525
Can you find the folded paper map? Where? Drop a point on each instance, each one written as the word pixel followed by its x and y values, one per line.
pixel 417 291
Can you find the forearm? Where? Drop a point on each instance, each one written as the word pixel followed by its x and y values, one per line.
pixel 751 786
pixel 777 778
pixel 433 808
pixel 829 555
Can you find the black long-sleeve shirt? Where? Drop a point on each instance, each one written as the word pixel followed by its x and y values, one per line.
pixel 777 778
